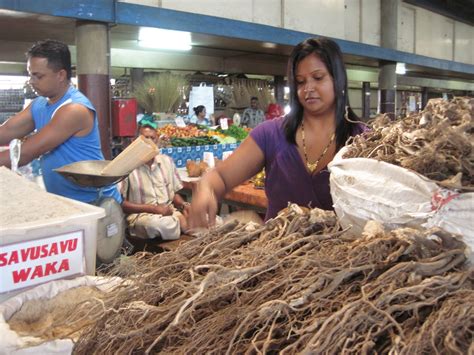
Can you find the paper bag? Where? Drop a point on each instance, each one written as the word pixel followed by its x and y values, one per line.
pixel 138 153
pixel 201 95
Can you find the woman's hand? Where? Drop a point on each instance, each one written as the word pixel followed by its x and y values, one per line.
pixel 243 163
pixel 203 207
pixel 184 209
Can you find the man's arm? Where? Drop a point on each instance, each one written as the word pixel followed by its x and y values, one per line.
pixel 181 204
pixel 70 120
pixel 17 126
pixel 130 207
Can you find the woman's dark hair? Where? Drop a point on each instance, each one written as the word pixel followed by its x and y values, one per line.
pixel 330 54
pixel 57 54
pixel 198 109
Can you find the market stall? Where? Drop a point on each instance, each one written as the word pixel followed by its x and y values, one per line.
pixel 374 277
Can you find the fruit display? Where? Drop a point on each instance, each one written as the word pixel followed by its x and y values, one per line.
pixel 195 169
pixel 191 135
pixel 259 180
pixel 180 132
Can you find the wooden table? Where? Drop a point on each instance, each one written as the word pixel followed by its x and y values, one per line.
pixel 244 196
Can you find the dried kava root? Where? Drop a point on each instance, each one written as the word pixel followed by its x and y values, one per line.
pixel 437 142
pixel 298 284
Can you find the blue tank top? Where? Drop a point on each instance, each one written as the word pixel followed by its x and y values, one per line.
pixel 72 150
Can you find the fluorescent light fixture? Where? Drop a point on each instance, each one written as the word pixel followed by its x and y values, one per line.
pixel 269 45
pixel 400 68
pixel 164 39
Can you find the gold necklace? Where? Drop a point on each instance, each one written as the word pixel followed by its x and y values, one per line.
pixel 313 166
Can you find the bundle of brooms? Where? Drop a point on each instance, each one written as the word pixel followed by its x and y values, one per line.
pixel 437 142
pixel 296 284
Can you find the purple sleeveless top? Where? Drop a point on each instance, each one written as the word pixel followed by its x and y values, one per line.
pixel 287 179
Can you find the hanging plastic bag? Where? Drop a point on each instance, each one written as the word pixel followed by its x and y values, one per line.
pixel 201 95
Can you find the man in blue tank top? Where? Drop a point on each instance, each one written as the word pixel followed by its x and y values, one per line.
pixel 64 119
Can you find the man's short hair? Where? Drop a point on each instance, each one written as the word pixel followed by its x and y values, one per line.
pixel 254 98
pixel 57 53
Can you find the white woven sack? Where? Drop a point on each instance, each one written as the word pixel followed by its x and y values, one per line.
pixel 12 343
pixel 367 189
pixel 455 215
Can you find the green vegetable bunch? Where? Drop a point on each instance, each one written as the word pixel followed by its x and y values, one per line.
pixel 186 142
pixel 237 132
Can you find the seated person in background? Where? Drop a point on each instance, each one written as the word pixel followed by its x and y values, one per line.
pixel 153 208
pixel 199 116
pixel 252 116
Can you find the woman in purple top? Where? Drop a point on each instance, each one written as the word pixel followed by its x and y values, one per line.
pixel 295 149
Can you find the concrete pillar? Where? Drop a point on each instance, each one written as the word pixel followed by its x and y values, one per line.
pixel 387 89
pixel 389 20
pixel 424 97
pixel 387 76
pixel 366 100
pixel 280 90
pixel 93 63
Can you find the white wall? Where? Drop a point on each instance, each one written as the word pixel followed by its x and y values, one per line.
pixel 323 17
pixel 370 22
pixel 154 3
pixel 406 29
pixel 352 20
pixel 266 12
pixel 362 21
pixel 232 9
pixel 419 31
pixel 426 33
pixel 434 35
pixel 463 43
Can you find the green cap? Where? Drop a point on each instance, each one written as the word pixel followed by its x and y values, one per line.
pixel 148 120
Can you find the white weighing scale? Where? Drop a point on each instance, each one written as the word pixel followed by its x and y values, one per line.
pixel 111 228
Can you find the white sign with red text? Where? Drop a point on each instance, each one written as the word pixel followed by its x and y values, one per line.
pixel 34 262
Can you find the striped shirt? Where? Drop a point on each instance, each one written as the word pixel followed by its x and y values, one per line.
pixel 252 118
pixel 153 185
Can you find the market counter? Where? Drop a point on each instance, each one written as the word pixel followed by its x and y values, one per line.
pixel 244 195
